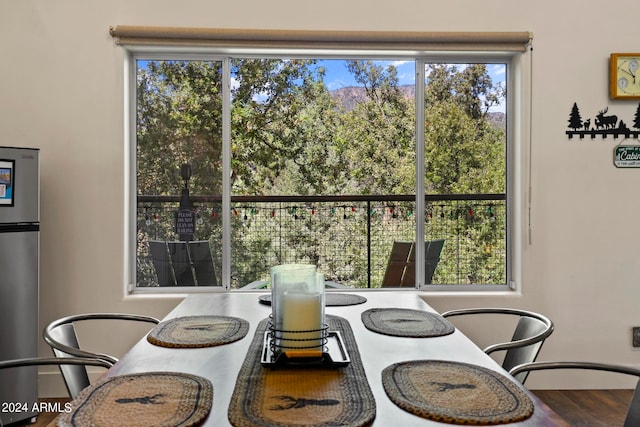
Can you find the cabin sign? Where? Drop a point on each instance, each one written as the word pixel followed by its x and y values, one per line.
pixel 626 156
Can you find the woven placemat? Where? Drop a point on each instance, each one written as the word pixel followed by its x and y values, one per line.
pixel 158 399
pixel 302 396
pixel 404 322
pixel 456 393
pixel 330 299
pixel 198 331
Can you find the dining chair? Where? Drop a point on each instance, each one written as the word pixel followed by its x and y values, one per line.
pixel 62 337
pixel 632 418
pixel 264 284
pixel 531 330
pixel 80 362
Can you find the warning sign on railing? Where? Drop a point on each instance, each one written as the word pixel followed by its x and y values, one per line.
pixel 185 222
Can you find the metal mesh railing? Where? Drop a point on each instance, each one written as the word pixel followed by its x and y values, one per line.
pixel 348 238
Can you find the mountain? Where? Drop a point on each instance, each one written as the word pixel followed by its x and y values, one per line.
pixel 349 96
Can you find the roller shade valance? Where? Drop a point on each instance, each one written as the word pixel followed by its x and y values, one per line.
pixel 127 35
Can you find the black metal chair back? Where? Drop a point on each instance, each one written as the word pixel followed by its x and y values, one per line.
pixel 530 333
pixel 526 327
pixel 62 337
pixel 79 362
pixel 75 376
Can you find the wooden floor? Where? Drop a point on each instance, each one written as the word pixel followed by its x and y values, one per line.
pixel 581 408
pixel 588 408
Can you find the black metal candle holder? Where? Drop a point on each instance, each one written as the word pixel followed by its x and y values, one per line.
pixel 278 351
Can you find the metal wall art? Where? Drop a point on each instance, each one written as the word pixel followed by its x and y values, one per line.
pixel 603 124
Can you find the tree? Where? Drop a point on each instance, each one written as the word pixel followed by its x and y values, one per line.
pixel 290 136
pixel 469 86
pixel 179 116
pixel 465 154
pixel 376 137
pixel 462 155
pixel 268 102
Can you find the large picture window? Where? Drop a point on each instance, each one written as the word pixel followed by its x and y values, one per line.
pixel 251 158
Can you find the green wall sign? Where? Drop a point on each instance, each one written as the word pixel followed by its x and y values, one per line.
pixel 626 156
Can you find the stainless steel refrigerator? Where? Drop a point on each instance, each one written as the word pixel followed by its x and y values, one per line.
pixel 19 279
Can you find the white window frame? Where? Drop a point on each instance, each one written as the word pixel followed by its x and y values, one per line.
pixel 518 147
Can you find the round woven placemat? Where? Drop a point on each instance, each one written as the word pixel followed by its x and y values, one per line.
pixel 331 299
pixel 157 399
pixel 455 393
pixel 404 322
pixel 302 395
pixel 198 331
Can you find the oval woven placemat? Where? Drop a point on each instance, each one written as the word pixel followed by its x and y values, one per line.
pixel 198 331
pixel 405 322
pixel 455 393
pixel 158 399
pixel 302 395
pixel 331 299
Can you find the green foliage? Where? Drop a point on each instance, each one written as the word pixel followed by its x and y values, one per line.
pixel 375 139
pixel 179 117
pixel 290 136
pixel 462 155
pixel 272 104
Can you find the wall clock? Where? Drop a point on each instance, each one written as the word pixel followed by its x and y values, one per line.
pixel 624 76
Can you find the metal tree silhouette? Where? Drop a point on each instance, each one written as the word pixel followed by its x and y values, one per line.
pixel 575 121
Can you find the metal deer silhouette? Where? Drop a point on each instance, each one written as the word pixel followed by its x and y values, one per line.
pixel 607 122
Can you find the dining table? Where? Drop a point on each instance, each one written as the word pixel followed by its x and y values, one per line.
pixel 375 351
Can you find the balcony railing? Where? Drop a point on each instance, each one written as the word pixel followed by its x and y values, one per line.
pixel 348 237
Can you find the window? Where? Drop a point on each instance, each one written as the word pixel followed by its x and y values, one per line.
pixel 250 157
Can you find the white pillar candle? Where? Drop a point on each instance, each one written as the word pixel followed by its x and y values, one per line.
pixel 302 311
pixel 288 277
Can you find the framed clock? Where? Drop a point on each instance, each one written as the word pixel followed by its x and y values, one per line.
pixel 624 76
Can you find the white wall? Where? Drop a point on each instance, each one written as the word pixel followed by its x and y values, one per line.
pixel 61 89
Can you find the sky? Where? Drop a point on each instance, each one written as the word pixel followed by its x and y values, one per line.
pixel 337 76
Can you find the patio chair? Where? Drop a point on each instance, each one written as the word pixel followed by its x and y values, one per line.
pixel 530 333
pixel 433 249
pixel 202 262
pixel 77 383
pixel 633 413
pixel 62 338
pixel 396 264
pixel 401 267
pixel 181 263
pixel 162 262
